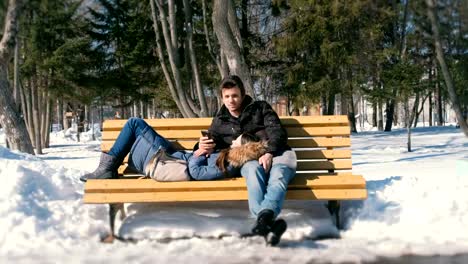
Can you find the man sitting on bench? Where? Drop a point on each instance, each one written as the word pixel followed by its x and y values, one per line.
pixel 268 177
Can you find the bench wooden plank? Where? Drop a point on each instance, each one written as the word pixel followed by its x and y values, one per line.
pixel 292 132
pixel 203 123
pixel 294 143
pixel 310 165
pixel 315 181
pixel 314 154
pixel 236 195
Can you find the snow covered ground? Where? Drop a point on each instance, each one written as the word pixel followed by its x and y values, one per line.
pixel 418 204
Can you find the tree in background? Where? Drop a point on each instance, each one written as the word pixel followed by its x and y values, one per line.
pixel 443 65
pixel 11 121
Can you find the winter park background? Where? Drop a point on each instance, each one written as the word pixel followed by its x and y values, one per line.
pixel 417 205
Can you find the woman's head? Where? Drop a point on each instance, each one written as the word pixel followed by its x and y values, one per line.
pixel 244 138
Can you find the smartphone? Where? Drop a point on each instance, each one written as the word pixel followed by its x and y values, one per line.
pixel 206 133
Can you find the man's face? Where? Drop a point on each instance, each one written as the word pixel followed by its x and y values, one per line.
pixel 232 99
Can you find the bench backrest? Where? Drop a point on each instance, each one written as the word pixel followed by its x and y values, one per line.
pixel 322 143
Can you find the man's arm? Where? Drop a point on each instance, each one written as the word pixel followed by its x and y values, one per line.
pixel 277 135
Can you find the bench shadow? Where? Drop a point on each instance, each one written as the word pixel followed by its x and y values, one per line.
pixel 166 222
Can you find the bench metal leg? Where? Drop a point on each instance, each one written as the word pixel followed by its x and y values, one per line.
pixel 113 210
pixel 334 208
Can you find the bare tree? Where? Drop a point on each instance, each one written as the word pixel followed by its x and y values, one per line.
pixel 10 119
pixel 190 100
pixel 193 59
pixel 227 31
pixel 443 65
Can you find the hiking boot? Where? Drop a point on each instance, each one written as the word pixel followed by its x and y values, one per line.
pixel 277 230
pixel 264 222
pixel 107 169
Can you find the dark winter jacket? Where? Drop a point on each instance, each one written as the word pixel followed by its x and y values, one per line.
pixel 257 117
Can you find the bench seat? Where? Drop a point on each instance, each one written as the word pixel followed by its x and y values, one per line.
pixel 308 187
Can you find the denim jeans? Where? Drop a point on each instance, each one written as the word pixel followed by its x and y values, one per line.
pixel 266 190
pixel 141 141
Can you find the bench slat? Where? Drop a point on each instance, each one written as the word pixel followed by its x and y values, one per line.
pixel 203 123
pixel 315 181
pixel 294 143
pixel 307 165
pixel 195 133
pixel 314 154
pixel 335 194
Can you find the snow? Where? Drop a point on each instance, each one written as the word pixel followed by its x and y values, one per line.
pixel 417 204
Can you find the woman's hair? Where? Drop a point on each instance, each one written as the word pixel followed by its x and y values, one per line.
pixel 248 137
pixel 222 160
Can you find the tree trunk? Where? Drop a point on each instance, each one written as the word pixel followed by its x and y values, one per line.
pixel 331 104
pixel 12 123
pixel 16 79
pixel 445 71
pixel 389 111
pixel 174 86
pixel 380 115
pixel 430 109
pixel 36 117
pixel 226 30
pixel 193 59
pixel 408 124
pixel 48 122
pixel 352 115
pixel 43 113
pixel 171 51
pixel 222 71
pixel 59 106
pixel 374 114
pixel 30 119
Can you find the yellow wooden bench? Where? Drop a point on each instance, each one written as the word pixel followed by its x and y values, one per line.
pixel 322 145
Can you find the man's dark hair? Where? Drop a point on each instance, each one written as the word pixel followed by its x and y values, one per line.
pixel 232 81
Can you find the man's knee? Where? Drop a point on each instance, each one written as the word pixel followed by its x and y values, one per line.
pixel 251 167
pixel 282 173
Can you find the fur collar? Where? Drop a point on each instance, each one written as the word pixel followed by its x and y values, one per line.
pixel 237 156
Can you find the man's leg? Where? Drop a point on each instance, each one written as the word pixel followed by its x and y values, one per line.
pixel 256 180
pixel 280 176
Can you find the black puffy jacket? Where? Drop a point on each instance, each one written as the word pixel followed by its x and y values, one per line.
pixel 257 117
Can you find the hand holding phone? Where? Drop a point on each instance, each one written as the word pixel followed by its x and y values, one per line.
pixel 206 133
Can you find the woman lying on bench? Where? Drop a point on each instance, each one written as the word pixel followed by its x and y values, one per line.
pixel 142 142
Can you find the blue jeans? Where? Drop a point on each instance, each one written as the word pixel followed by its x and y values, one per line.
pixel 141 141
pixel 266 190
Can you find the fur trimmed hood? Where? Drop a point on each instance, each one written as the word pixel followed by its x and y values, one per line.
pixel 238 156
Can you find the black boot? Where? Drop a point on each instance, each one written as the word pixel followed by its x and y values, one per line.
pixel 264 222
pixel 107 168
pixel 277 230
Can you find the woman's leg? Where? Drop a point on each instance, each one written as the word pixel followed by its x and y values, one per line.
pixel 134 128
